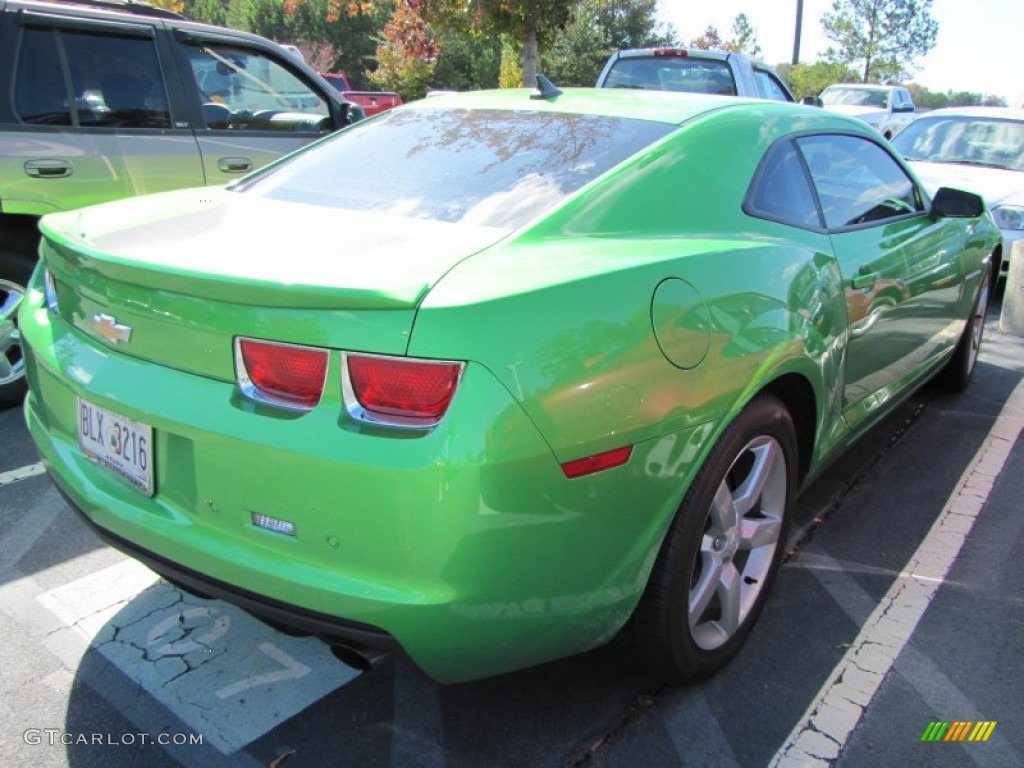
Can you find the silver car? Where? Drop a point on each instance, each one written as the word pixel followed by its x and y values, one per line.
pixel 979 149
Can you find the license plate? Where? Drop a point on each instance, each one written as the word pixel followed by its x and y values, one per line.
pixel 123 446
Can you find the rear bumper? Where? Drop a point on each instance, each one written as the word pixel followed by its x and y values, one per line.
pixel 465 548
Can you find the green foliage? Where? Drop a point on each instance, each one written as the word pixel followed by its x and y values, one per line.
pixel 882 37
pixel 925 99
pixel 595 30
pixel 468 61
pixel 407 53
pixel 510 73
pixel 811 79
pixel 744 37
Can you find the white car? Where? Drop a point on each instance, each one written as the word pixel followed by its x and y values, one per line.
pixel 979 149
pixel 886 108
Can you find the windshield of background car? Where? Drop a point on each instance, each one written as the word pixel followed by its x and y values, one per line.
pixel 969 140
pixel 856 97
pixel 485 167
pixel 671 73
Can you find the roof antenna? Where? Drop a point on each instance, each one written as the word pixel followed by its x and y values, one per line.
pixel 545 89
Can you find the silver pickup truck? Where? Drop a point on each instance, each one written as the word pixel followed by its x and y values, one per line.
pixel 692 71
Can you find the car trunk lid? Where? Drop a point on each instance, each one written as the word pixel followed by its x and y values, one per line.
pixel 183 274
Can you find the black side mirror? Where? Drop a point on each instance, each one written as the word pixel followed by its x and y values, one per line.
pixel 812 101
pixel 957 204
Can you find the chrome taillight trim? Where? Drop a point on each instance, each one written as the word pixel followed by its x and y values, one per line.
pixel 356 410
pixel 248 387
pixel 50 290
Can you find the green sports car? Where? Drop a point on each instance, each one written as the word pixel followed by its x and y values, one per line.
pixel 493 377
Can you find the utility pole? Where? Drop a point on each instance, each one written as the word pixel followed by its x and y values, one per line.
pixel 796 35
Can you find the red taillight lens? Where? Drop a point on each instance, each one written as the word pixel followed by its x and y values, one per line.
pixel 403 389
pixel 282 373
pixel 680 52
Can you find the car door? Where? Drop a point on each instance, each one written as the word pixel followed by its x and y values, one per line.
pixel 901 268
pixel 92 121
pixel 253 106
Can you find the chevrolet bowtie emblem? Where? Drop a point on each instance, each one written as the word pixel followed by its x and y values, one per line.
pixel 111 330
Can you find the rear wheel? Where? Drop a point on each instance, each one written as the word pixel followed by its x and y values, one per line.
pixel 722 551
pixel 12 362
pixel 956 374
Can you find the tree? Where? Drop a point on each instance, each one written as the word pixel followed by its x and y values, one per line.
pixel 408 52
pixel 884 36
pixel 811 79
pixel 711 40
pixel 468 60
pixel 744 37
pixel 527 22
pixel 595 30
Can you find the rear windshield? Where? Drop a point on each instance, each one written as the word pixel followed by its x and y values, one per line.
pixel 671 73
pixel 490 168
pixel 855 97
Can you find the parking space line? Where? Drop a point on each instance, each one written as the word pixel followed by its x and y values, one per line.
pixel 22 473
pixel 823 730
pixel 927 679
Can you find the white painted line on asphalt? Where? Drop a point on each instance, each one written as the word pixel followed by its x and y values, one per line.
pixel 22 473
pixel 926 677
pixel 824 728
pixel 220 671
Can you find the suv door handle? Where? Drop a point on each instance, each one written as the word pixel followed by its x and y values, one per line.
pixel 234 164
pixel 48 169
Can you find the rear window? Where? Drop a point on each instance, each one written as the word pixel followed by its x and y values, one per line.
pixel 485 167
pixel 672 73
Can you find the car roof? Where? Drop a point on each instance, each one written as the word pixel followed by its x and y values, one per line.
pixel 121 10
pixel 865 86
pixel 660 106
pixel 1003 113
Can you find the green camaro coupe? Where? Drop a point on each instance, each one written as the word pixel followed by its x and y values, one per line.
pixel 493 377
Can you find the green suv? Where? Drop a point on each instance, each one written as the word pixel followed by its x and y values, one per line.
pixel 110 100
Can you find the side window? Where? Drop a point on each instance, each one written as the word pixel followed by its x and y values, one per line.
pixel 781 190
pixel 243 89
pixel 39 94
pixel 857 181
pixel 768 86
pixel 117 81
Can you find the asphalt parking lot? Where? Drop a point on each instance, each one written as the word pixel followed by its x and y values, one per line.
pixel 898 607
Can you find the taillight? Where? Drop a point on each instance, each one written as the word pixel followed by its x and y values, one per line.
pixel 679 52
pixel 400 391
pixel 282 374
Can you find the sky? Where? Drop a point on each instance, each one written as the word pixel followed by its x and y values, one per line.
pixel 978 46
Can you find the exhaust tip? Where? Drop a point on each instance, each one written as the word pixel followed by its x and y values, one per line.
pixel 363 659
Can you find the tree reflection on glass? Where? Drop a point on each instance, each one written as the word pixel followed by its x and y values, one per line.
pixel 493 168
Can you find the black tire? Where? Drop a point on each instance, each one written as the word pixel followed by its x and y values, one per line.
pixel 12 362
pixel 957 373
pixel 704 561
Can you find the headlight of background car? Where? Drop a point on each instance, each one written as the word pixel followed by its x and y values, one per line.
pixel 1009 216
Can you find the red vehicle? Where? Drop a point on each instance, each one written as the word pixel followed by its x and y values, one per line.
pixel 372 102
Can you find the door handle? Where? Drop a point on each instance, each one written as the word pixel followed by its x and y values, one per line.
pixel 865 281
pixel 234 164
pixel 48 169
